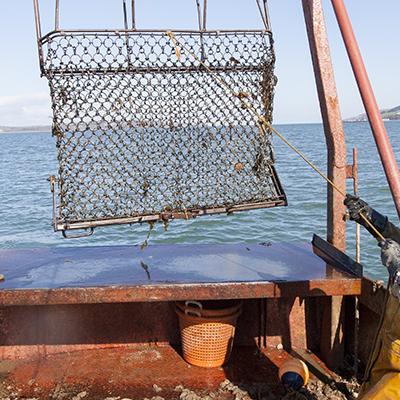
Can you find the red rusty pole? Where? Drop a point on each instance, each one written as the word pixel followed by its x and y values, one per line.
pixel 329 308
pixel 331 117
pixel 371 107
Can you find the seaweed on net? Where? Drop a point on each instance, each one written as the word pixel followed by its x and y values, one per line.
pixel 143 133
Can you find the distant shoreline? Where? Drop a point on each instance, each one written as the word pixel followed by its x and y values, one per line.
pixel 48 129
pixel 25 129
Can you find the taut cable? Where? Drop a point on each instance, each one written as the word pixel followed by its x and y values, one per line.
pixel 262 122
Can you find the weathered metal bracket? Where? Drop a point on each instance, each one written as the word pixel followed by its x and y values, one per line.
pixel 352 169
pixel 335 257
pixel 86 233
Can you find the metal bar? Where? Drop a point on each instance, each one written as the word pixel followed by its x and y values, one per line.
pixel 201 17
pixel 199 21
pixel 37 19
pixel 332 120
pixel 133 14
pixel 355 188
pixel 332 349
pixel 205 15
pixel 265 317
pixel 260 324
pixel 57 16
pixel 174 291
pixel 61 226
pixel 103 32
pixel 371 107
pixel 354 305
pixel 128 48
pixel 52 181
pixel 123 31
pixel 333 256
pixel 84 234
pixel 266 10
pixel 263 16
pixel 38 33
pixel 125 14
pixel 133 69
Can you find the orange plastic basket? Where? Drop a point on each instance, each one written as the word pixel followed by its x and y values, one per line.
pixel 207 340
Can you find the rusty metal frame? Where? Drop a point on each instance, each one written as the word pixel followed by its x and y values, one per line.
pixel 173 291
pixel 381 137
pixel 62 226
pixel 330 308
pixel 336 308
pixel 352 173
pixel 41 39
pixel 333 256
pixel 332 120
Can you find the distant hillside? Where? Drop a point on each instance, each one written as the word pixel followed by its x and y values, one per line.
pixel 389 114
pixel 36 128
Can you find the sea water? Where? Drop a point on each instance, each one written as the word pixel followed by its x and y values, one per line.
pixel 28 159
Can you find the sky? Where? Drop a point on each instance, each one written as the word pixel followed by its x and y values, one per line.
pixel 24 96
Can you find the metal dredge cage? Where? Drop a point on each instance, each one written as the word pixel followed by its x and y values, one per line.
pixel 144 133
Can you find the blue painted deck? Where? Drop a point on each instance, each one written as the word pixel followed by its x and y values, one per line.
pixel 50 268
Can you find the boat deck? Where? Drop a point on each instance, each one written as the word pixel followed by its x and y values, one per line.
pixel 78 275
pixel 146 372
pixel 102 319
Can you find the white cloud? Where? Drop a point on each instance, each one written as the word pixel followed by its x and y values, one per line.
pixel 23 110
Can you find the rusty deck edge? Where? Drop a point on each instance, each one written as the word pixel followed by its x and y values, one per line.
pixel 172 292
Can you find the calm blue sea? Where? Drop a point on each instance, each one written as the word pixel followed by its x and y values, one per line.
pixel 28 159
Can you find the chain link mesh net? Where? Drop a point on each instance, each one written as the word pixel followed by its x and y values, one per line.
pixel 145 134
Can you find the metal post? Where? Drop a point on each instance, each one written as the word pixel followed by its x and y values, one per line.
pixel 355 189
pixel 125 15
pixel 57 16
pixel 264 12
pixel 332 120
pixel 38 32
pixel 205 16
pixel 371 107
pixel 133 14
pixel 330 309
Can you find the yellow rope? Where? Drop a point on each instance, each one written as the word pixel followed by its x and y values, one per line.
pixel 262 122
pixel 175 42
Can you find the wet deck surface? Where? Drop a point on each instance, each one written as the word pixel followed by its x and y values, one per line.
pixel 100 319
pixel 146 373
pixel 134 372
pixel 159 268
pixel 50 268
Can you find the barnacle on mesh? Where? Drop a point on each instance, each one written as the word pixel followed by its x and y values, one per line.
pixel 142 128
